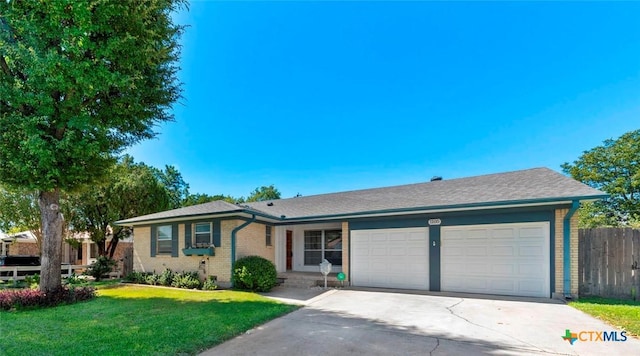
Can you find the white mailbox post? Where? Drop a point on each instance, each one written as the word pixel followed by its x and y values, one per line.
pixel 325 269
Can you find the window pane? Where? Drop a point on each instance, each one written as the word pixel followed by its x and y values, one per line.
pixel 335 257
pixel 202 234
pixel 164 246
pixel 313 240
pixel 333 240
pixel 203 228
pixel 164 239
pixel 312 257
pixel 164 232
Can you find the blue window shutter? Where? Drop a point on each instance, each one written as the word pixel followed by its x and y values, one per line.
pixel 217 241
pixel 187 235
pixel 153 241
pixel 174 241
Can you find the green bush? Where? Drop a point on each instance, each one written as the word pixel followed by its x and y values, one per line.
pixel 100 267
pixel 152 279
pixel 137 277
pixel 186 280
pixel 166 277
pixel 254 273
pixel 210 283
pixel 32 281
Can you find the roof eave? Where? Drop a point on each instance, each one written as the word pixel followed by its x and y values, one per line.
pixel 448 208
pixel 242 213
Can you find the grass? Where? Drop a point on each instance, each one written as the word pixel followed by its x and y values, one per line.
pixel 137 320
pixel 624 314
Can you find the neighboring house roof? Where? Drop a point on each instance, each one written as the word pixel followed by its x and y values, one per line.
pixel 526 187
pixel 23 236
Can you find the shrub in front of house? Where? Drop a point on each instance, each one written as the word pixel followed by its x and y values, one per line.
pixel 254 273
pixel 166 277
pixel 33 298
pixel 100 267
pixel 186 280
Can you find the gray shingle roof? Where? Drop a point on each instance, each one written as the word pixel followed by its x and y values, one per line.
pixel 519 187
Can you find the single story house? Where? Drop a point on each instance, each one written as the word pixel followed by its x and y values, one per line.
pixel 511 233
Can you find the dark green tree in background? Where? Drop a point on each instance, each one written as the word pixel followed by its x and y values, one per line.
pixel 79 82
pixel 613 168
pixel 130 189
pixel 264 193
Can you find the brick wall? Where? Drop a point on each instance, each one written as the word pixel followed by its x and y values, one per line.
pixel 559 250
pixel 23 249
pixel 251 241
pixel 218 265
pixel 345 249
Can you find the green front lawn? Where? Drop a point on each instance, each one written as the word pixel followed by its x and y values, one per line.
pixel 624 314
pixel 136 320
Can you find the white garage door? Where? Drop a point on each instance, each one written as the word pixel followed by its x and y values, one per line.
pixel 390 258
pixel 506 259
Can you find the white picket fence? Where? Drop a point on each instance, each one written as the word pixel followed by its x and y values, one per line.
pixel 10 273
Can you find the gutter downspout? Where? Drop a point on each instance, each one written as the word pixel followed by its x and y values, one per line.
pixel 233 242
pixel 566 248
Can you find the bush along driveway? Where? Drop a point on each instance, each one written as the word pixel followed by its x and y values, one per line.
pixel 136 320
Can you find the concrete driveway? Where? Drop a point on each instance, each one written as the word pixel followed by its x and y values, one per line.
pixel 357 322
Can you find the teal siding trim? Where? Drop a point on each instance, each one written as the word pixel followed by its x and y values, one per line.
pixel 174 241
pixel 217 232
pixel 434 258
pixel 153 241
pixel 187 235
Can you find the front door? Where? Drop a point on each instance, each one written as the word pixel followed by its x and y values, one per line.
pixel 289 250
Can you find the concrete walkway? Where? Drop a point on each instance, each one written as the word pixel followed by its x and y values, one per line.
pixel 356 322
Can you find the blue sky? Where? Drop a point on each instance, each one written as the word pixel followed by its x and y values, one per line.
pixel 318 97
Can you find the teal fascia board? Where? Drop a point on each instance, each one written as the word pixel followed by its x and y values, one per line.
pixel 566 248
pixel 233 242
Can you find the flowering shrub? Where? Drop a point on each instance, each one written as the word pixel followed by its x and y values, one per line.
pixel 31 298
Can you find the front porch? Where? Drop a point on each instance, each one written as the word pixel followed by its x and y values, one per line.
pixel 308 280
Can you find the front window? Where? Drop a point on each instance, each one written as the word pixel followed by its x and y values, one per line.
pixel 164 238
pixel 203 234
pixel 323 244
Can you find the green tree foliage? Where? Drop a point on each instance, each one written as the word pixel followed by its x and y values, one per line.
pixel 19 210
pixel 613 168
pixel 79 82
pixel 264 193
pixel 200 198
pixel 130 189
pixel 175 185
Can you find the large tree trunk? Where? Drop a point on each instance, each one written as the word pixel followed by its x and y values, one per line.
pixel 51 259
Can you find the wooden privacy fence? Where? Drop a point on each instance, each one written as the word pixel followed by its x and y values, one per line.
pixel 609 262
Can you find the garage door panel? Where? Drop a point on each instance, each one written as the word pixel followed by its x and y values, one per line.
pixel 516 262
pixel 503 269
pixel 503 251
pixel 503 234
pixel 395 258
pixel 477 251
